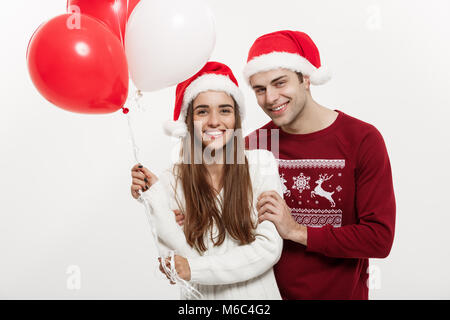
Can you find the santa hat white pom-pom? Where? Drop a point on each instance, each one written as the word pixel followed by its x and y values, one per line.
pixel 320 76
pixel 176 129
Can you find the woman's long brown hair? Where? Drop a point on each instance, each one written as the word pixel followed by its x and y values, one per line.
pixel 202 210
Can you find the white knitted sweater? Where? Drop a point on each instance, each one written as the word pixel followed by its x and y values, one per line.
pixel 229 271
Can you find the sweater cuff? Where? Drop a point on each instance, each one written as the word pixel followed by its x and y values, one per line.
pixel 317 239
pixel 199 268
pixel 154 193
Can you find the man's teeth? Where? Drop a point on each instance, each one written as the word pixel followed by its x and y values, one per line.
pixel 280 107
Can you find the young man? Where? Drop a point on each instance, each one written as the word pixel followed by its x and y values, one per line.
pixel 339 207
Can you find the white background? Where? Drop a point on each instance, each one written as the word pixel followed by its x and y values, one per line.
pixel 65 177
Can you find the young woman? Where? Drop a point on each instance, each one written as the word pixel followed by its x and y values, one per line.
pixel 221 248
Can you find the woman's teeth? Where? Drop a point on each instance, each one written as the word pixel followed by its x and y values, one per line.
pixel 214 134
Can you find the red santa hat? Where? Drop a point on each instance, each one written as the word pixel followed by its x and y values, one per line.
pixel 214 76
pixel 293 50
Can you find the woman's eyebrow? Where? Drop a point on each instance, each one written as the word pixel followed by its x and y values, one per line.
pixel 201 106
pixel 225 106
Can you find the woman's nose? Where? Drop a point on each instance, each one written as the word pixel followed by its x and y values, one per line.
pixel 213 119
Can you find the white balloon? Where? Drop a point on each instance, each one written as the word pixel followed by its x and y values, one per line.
pixel 168 41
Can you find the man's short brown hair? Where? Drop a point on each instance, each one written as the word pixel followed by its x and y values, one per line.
pixel 300 76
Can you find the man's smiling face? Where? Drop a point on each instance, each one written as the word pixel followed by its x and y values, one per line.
pixel 280 94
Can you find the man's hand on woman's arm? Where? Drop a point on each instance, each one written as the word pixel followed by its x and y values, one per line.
pixel 271 206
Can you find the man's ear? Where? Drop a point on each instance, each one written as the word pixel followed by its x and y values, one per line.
pixel 306 82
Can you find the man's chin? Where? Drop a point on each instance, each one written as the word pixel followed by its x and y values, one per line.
pixel 279 122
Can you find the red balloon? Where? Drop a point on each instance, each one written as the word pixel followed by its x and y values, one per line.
pixel 131 5
pixel 82 69
pixel 112 13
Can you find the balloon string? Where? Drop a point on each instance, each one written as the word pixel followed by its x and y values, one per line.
pixel 135 147
pixel 137 98
pixel 188 290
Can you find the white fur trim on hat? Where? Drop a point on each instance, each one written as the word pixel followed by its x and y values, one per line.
pixel 320 76
pixel 176 129
pixel 286 60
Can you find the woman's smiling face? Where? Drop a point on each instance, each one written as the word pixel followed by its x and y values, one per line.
pixel 214 118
